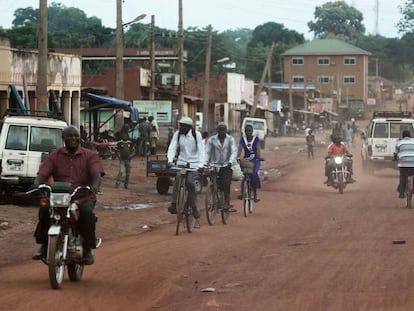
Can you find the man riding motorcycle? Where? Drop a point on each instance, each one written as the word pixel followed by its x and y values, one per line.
pixel 337 148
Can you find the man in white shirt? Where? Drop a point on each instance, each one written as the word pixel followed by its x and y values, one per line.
pixel 153 134
pixel 188 146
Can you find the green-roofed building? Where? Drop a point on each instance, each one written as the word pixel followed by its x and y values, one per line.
pixel 338 69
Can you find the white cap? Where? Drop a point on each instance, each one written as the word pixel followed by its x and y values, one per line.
pixel 186 120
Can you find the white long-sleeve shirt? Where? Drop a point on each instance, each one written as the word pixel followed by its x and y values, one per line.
pixel 191 149
pixel 219 153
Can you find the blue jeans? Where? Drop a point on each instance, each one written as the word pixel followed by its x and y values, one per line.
pixel 124 165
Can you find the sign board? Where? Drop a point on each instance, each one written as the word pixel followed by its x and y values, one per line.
pixel 371 101
pixel 161 110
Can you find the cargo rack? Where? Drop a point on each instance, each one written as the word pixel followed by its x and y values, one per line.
pixel 392 114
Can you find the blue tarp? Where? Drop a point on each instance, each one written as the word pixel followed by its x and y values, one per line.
pixel 117 104
pixel 18 99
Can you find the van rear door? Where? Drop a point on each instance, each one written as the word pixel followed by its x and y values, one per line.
pixel 15 153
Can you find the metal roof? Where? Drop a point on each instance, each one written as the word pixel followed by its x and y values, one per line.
pixel 325 47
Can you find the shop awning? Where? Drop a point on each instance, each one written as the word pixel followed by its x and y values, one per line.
pixel 110 102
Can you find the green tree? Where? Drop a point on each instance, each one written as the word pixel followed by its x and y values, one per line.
pixel 338 19
pixel 406 23
pixel 257 49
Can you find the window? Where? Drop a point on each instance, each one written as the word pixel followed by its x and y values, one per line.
pixel 349 79
pixel 349 60
pixel 381 130
pixel 396 129
pixel 17 138
pixel 298 79
pixel 323 60
pixel 297 61
pixel 45 139
pixel 324 79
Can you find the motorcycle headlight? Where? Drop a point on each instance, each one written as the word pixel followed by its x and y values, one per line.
pixel 60 199
pixel 338 160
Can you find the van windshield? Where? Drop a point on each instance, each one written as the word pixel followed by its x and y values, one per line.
pixel 257 125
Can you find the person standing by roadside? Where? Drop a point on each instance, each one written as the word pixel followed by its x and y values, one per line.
pixel 153 134
pixel 310 142
pixel 169 137
pixel 349 136
pixel 221 149
pixel 124 148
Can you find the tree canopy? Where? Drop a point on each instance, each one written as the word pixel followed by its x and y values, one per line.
pixel 337 19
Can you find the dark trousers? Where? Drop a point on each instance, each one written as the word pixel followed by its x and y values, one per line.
pixel 404 172
pixel 224 182
pixel 87 224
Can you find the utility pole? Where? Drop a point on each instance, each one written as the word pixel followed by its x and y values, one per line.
pixel 207 83
pixel 259 89
pixel 119 78
pixel 152 52
pixel 42 66
pixel 181 57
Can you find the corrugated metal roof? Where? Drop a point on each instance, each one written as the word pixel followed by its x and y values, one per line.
pixel 325 47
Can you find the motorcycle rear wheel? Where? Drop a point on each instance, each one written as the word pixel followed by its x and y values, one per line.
pixel 55 261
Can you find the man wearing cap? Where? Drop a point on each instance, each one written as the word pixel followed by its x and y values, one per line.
pixel 221 149
pixel 187 147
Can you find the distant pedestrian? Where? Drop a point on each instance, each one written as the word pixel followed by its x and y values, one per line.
pixel 170 136
pixel 310 142
pixel 153 134
pixel 124 147
pixel 349 137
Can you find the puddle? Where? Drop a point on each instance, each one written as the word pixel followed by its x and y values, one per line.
pixel 138 206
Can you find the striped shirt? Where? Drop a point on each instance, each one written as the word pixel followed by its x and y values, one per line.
pixel 405 152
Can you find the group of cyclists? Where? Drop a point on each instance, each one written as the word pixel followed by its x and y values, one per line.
pixel 188 149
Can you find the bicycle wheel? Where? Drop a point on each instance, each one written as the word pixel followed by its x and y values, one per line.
pixel 189 217
pixel 246 197
pixel 210 204
pixel 224 212
pixel 251 196
pixel 180 208
pixel 408 192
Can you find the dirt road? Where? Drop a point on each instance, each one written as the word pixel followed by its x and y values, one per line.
pixel 305 247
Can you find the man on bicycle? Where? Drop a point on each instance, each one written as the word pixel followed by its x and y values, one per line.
pixel 187 146
pixel 404 154
pixel 221 149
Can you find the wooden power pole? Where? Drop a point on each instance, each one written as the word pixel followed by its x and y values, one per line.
pixel 181 58
pixel 260 87
pixel 207 83
pixel 42 69
pixel 152 89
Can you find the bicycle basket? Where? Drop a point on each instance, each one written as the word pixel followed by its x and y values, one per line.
pixel 247 166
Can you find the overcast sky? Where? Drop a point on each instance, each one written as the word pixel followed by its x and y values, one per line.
pixel 221 14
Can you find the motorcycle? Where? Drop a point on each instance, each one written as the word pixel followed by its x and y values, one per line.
pixel 340 175
pixel 106 150
pixel 64 239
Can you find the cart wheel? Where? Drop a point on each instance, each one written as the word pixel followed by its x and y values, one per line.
pixel 163 183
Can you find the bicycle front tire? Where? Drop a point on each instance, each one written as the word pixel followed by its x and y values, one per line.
pixel 180 208
pixel 210 204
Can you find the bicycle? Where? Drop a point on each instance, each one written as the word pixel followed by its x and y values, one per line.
pixel 184 212
pixel 247 168
pixel 214 200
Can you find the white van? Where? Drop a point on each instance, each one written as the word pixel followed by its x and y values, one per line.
pixel 24 142
pixel 259 128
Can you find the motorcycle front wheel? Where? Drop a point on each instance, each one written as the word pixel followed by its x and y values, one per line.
pixel 55 261
pixel 75 271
